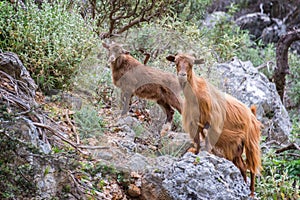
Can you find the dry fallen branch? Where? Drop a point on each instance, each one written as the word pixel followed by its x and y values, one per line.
pixel 78 185
pixel 58 134
pixel 92 147
pixel 292 146
pixel 73 127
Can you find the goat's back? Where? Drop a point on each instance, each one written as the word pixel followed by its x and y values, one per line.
pixel 129 75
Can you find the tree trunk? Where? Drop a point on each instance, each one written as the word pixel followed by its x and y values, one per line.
pixel 282 68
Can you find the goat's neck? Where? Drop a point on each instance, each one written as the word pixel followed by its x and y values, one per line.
pixel 193 86
pixel 190 87
pixel 122 65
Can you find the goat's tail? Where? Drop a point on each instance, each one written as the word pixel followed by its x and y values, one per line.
pixel 252 148
pixel 253 109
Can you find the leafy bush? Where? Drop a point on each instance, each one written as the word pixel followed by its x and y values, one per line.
pixel 51 41
pixel 89 122
pixel 192 10
pixel 280 177
pixel 168 36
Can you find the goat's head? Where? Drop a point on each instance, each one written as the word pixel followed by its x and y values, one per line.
pixel 184 65
pixel 115 50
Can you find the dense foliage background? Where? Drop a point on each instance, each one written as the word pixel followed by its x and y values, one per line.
pixel 60 44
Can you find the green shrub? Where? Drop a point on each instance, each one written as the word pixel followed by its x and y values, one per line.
pixel 89 122
pixel 193 10
pixel 293 79
pixel 280 177
pixel 51 41
pixel 168 36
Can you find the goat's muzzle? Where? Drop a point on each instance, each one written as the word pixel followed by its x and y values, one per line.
pixel 182 78
pixel 111 59
pixel 182 74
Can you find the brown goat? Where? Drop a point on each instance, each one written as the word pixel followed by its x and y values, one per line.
pixel 230 126
pixel 134 78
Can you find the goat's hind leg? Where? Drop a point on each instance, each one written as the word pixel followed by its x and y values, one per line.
pixel 169 112
pixel 252 175
pixel 239 162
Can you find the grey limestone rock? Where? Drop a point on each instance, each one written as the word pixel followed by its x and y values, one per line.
pixel 202 176
pixel 243 81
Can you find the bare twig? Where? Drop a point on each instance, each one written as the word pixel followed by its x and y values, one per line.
pixel 292 146
pixel 267 64
pixel 293 155
pixel 58 134
pixel 81 191
pixel 73 127
pixel 146 54
pixel 92 147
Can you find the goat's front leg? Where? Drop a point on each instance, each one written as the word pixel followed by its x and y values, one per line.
pixel 208 147
pixel 197 143
pixel 126 96
pixel 195 135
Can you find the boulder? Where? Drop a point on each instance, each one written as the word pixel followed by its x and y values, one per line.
pixel 255 23
pixel 243 81
pixel 202 176
pixel 175 144
pixel 216 17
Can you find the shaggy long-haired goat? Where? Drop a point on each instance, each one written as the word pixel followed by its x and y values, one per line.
pixel 227 125
pixel 134 78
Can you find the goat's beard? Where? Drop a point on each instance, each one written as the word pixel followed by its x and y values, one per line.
pixel 182 81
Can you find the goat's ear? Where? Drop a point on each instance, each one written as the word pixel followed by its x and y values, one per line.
pixel 105 45
pixel 170 58
pixel 125 51
pixel 199 61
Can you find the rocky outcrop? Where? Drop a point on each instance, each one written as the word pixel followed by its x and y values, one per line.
pixel 18 114
pixel 31 170
pixel 246 83
pixel 261 26
pixel 202 176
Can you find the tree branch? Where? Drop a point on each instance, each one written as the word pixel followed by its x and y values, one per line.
pixel 124 14
pixel 282 68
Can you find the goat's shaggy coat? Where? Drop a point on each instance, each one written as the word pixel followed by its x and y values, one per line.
pixel 134 78
pixel 232 125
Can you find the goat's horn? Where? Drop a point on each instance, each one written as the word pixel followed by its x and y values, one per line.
pixel 199 61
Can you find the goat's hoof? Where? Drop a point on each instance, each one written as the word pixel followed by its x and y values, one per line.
pixel 192 150
pixel 163 133
pixel 208 150
pixel 166 127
